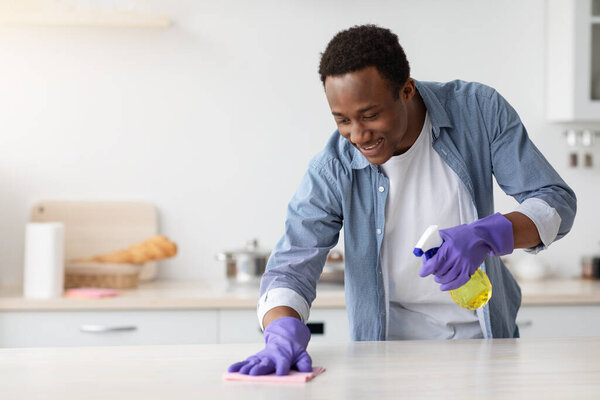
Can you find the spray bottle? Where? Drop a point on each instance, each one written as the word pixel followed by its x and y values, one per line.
pixel 473 294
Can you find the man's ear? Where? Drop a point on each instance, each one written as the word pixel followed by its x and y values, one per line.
pixel 408 90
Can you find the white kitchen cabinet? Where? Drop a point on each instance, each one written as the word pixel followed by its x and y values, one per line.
pixel 334 324
pixel 573 60
pixel 109 328
pixel 117 328
pixel 106 328
pixel 559 321
pixel 241 326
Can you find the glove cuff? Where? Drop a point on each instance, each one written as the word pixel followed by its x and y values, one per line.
pixel 290 328
pixel 497 231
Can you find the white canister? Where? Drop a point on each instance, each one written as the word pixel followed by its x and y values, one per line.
pixel 44 260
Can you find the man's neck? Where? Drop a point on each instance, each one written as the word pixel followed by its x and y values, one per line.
pixel 416 112
pixel 416 118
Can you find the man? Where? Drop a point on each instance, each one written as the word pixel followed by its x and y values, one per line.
pixel 406 155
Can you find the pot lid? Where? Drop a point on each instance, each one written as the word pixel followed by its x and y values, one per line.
pixel 252 249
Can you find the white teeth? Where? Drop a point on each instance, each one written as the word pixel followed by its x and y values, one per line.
pixel 375 145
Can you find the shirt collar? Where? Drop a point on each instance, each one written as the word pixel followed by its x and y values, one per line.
pixel 359 161
pixel 437 114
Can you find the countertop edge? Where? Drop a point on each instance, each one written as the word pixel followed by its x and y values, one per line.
pixel 185 295
pixel 64 304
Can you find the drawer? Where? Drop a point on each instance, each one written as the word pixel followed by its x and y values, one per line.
pixel 559 321
pixel 107 328
pixel 241 326
pixel 329 325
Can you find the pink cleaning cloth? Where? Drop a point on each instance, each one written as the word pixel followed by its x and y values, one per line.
pixel 293 377
pixel 90 293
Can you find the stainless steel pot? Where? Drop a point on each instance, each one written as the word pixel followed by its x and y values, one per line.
pixel 245 265
pixel 333 270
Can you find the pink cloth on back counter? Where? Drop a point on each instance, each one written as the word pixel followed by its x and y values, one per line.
pixel 293 377
pixel 91 293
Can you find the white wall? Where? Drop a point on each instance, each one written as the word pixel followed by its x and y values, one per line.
pixel 215 119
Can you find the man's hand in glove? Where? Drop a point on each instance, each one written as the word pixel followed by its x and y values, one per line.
pixel 286 339
pixel 465 247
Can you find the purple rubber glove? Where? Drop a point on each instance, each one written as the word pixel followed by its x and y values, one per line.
pixel 286 340
pixel 465 247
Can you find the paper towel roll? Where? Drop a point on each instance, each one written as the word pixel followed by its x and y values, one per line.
pixel 44 260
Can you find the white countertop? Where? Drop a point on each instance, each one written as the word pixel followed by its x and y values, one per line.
pixel 165 295
pixel 464 369
pixel 560 292
pixel 197 295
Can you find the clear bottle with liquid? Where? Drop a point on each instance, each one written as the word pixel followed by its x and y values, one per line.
pixel 475 293
pixel 472 295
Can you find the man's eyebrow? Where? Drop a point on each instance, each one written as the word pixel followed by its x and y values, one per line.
pixel 362 110
pixel 367 108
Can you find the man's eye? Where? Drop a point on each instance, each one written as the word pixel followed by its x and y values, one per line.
pixel 370 116
pixel 342 121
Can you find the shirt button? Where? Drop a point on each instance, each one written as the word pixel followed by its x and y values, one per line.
pixel 379 231
pixel 381 188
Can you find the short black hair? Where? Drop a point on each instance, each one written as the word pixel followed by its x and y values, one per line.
pixel 364 46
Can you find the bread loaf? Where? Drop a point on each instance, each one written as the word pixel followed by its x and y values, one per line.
pixel 155 248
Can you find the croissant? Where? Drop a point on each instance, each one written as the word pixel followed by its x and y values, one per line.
pixel 155 248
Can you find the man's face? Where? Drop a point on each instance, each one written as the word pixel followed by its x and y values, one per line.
pixel 368 114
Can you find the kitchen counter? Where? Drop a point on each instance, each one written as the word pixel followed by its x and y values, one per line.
pixel 560 292
pixel 198 295
pixel 165 295
pixel 467 369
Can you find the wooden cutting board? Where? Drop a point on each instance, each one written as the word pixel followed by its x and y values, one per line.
pixel 93 228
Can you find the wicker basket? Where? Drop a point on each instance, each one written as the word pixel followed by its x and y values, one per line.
pixel 102 275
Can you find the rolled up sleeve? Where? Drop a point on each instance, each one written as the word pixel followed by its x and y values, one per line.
pixel 279 297
pixel 546 220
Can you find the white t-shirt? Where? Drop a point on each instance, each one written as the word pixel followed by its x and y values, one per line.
pixel 423 191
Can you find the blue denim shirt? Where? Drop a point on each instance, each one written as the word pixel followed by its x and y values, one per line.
pixel 479 135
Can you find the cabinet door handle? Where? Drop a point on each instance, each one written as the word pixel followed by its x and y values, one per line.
pixel 106 328
pixel 524 323
pixel 316 328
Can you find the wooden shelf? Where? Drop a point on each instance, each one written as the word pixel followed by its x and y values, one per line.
pixel 72 13
pixel 95 19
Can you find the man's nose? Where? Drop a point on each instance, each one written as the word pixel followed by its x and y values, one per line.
pixel 359 134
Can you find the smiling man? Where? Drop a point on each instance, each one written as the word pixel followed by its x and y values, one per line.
pixel 406 155
pixel 379 122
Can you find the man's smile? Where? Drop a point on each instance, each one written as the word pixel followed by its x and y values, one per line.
pixel 371 147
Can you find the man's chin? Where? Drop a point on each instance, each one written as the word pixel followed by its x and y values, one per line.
pixel 378 160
